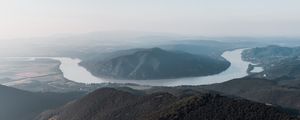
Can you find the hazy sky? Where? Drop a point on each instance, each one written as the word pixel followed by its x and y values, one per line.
pixel 27 18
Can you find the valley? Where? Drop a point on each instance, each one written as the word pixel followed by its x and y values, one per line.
pixel 243 82
pixel 75 77
pixel 149 60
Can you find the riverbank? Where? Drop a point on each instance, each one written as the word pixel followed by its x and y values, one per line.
pixel 237 69
pixel 73 71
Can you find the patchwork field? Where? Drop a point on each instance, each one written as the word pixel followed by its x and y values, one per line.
pixel 34 75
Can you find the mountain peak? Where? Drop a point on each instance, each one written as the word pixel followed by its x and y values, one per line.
pixel 156 63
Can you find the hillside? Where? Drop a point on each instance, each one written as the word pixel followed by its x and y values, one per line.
pixel 21 105
pixel 112 104
pixel 279 63
pixel 259 90
pixel 270 53
pixel 155 63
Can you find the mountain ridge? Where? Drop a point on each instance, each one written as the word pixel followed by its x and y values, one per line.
pixel 113 104
pixel 156 63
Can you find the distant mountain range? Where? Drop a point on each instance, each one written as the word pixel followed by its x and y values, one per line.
pixel 112 104
pixel 22 105
pixel 154 63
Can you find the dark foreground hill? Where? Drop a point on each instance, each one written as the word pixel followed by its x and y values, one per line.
pixel 155 63
pixel 112 104
pixel 260 90
pixel 21 105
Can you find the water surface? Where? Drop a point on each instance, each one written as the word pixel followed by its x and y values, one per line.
pixel 238 68
pixel 73 71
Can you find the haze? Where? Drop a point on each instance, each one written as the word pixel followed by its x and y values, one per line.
pixel 33 18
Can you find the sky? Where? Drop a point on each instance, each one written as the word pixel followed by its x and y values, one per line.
pixel 35 18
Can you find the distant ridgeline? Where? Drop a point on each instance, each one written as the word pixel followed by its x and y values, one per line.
pixel 154 63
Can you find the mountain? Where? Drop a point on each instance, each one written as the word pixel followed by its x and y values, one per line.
pixel 201 47
pixel 279 63
pixel 155 63
pixel 284 69
pixel 270 53
pixel 260 90
pixel 112 104
pixel 21 105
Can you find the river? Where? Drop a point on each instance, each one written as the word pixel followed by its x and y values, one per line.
pixel 238 68
pixel 73 71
